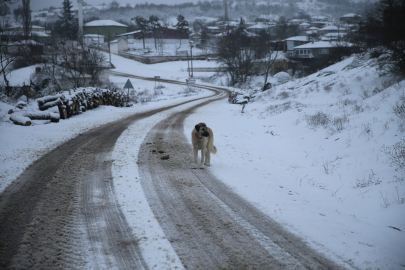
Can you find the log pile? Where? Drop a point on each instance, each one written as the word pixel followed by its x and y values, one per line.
pixel 65 106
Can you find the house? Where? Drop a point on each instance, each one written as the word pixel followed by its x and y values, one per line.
pixel 118 45
pixel 319 21
pixel 331 29
pixel 25 47
pixel 333 36
pixel 351 21
pixel 304 26
pixel 93 39
pixel 317 50
pixel 270 28
pixel 13 36
pixel 350 18
pixel 195 37
pixel 292 42
pixel 34 28
pixel 106 28
pixel 223 36
pixel 213 30
pixel 169 35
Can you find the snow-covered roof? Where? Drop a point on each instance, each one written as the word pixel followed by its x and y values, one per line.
pixel 297 38
pixel 319 18
pixel 313 28
pixel 130 33
pixel 335 35
pixel 304 24
pixel 93 35
pixel 261 25
pixel 25 42
pixel 332 27
pixel 319 44
pixel 104 23
pixel 249 34
pixel 20 33
pixel 116 40
pixel 350 15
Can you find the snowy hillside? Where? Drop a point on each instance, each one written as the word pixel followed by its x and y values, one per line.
pixel 317 156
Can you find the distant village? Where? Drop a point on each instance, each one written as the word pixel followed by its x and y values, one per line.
pixel 306 37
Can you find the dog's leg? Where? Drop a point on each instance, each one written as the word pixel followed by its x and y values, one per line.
pixel 195 157
pixel 208 158
pixel 203 151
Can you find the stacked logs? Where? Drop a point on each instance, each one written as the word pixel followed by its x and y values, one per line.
pixel 62 106
pixel 82 101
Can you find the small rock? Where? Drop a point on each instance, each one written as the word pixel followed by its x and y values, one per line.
pixel 10 111
pixel 165 157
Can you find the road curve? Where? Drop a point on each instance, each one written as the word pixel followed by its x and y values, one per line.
pixel 65 202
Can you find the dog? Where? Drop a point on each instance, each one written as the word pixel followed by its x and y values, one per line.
pixel 202 139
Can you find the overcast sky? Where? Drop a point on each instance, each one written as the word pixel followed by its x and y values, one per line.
pixel 40 4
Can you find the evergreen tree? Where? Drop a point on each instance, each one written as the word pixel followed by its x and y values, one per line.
pixel 143 25
pixel 67 26
pixel 384 31
pixel 182 25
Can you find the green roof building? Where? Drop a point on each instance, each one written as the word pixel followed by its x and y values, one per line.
pixel 107 28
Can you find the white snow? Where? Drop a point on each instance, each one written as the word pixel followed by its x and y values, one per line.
pixel 333 188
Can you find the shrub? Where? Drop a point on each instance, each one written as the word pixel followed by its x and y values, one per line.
pixel 399 107
pixel 318 119
pixel 283 95
pixel 396 154
pixel 338 124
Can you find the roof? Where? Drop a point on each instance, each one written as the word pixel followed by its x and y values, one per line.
pixel 25 42
pixel 116 40
pixel 130 33
pixel 261 25
pixel 20 26
pixel 93 35
pixel 104 23
pixel 319 44
pixel 349 15
pixel 297 38
pixel 332 27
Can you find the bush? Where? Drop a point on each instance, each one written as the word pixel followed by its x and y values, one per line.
pixel 318 119
pixel 399 107
pixel 396 154
pixel 338 124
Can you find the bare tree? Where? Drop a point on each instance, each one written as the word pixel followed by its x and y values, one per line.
pixel 236 53
pixel 154 26
pixel 268 64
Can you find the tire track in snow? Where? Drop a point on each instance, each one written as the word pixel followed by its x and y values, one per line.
pixel 210 226
pixel 65 202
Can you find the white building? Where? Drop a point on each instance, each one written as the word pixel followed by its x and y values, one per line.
pixel 118 45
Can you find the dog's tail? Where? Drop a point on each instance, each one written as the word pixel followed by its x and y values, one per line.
pixel 213 149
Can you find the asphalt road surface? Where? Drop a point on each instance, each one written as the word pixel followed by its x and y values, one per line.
pixel 64 207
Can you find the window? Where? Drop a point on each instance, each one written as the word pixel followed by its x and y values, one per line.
pixel 303 52
pixel 324 51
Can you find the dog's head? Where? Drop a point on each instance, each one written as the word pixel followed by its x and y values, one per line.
pixel 202 129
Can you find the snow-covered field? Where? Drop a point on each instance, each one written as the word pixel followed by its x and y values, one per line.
pixel 332 184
